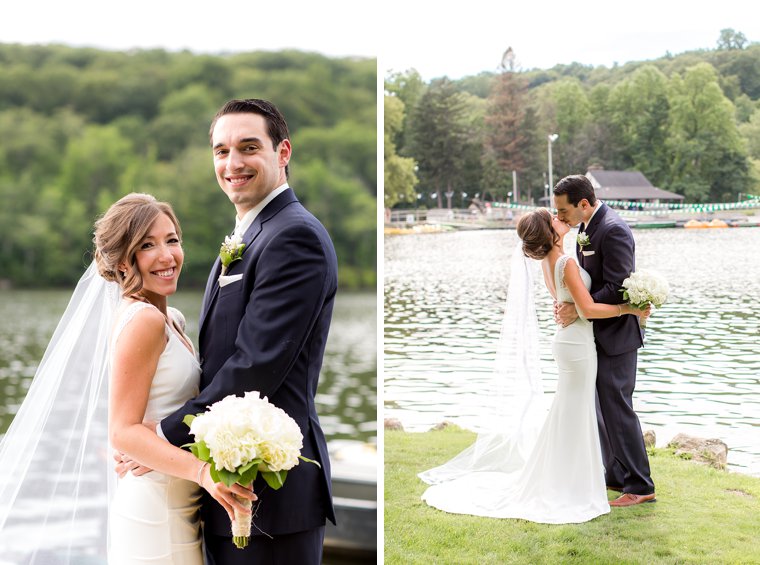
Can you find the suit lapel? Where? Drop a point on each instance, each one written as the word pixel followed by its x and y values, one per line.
pixel 253 231
pixel 591 227
pixel 212 285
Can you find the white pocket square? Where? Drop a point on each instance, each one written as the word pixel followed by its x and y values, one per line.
pixel 224 280
pixel 587 253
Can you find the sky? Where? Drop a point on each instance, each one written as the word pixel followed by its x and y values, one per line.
pixel 472 38
pixel 200 26
pixel 452 38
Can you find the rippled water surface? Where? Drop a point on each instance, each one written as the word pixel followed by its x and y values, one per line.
pixel 346 399
pixel 699 371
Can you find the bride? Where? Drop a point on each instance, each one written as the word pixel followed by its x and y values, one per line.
pixel 119 356
pixel 542 468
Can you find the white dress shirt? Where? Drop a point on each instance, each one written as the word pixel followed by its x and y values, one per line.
pixel 596 207
pixel 242 224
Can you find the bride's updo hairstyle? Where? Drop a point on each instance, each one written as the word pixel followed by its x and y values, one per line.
pixel 119 233
pixel 536 232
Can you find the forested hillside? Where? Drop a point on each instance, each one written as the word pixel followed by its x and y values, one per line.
pixel 80 127
pixel 689 122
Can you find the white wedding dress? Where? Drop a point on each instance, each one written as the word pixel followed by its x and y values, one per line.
pixel 154 519
pixel 562 479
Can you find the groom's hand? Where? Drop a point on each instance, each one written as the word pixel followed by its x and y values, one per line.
pixel 124 465
pixel 565 313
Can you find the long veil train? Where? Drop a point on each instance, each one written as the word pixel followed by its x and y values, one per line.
pixel 55 466
pixel 514 410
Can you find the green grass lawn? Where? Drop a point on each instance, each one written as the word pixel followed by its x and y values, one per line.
pixel 701 516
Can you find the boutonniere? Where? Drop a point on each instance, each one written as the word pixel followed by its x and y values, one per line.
pixel 583 240
pixel 231 251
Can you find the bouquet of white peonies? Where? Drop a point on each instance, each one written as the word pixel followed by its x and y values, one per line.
pixel 241 437
pixel 643 288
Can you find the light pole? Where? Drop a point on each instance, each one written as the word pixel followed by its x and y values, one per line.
pixel 552 138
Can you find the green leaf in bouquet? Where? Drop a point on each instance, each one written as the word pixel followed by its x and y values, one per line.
pixel 302 458
pixel 275 479
pixel 214 474
pixel 200 450
pixel 187 420
pixel 227 477
pixel 252 463
pixel 249 475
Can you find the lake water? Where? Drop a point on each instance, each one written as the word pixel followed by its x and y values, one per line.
pixel 699 372
pixel 347 394
pixel 346 398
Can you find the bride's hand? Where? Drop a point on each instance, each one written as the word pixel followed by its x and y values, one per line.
pixel 224 494
pixel 641 313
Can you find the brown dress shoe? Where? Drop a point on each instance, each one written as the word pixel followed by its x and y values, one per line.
pixel 629 499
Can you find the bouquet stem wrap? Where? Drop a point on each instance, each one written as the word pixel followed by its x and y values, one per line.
pixel 241 525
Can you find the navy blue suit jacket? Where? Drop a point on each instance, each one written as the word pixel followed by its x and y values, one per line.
pixel 610 259
pixel 267 332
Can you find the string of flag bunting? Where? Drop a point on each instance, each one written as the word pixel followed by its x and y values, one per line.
pixel 651 208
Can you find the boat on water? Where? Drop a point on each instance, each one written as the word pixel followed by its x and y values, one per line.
pixel 655 224
pixel 354 489
pixel 714 223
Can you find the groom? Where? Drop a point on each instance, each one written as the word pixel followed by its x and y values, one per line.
pixel 608 256
pixel 263 326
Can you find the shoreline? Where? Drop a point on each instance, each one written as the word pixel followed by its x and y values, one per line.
pixel 652 442
pixel 441 220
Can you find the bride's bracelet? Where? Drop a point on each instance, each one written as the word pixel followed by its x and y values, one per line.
pixel 200 473
pixel 620 310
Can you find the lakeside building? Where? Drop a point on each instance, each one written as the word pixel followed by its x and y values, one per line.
pixel 628 185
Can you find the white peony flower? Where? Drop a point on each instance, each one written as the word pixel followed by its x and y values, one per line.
pixel 238 430
pixel 645 287
pixel 247 431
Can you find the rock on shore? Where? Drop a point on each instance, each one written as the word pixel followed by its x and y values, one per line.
pixel 712 452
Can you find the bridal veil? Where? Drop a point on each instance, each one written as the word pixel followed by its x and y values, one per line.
pixel 514 410
pixel 55 463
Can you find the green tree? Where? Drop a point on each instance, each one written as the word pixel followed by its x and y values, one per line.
pixel 348 212
pixel 603 133
pixel 399 175
pixel 564 109
pixel 183 120
pixel 709 162
pixel 639 110
pixel 347 146
pixel 408 87
pixel 750 131
pixel 730 39
pixel 508 141
pixel 439 137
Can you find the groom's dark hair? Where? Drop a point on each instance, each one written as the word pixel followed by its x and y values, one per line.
pixel 576 188
pixel 277 127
